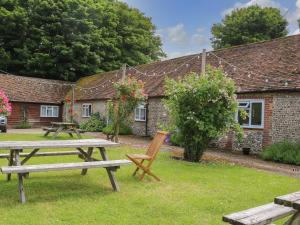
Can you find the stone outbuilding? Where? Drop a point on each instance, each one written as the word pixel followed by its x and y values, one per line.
pixel 267 76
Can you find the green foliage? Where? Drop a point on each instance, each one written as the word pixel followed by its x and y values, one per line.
pixel 248 25
pixel 94 124
pixel 68 39
pixel 23 125
pixel 285 152
pixel 176 139
pixel 124 129
pixel 202 108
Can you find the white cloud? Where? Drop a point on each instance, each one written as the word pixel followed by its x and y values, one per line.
pixel 292 17
pixel 177 34
pixel 262 3
pixel 183 42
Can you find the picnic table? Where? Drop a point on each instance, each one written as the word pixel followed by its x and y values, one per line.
pixel 282 207
pixel 62 127
pixel 293 201
pixel 16 165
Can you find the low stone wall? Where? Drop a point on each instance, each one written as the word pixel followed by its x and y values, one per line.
pixel 253 139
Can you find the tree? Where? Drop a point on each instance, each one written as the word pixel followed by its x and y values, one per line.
pixel 68 39
pixel 201 108
pixel 248 25
pixel 129 92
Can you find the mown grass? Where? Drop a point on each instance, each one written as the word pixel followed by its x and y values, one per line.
pixel 189 193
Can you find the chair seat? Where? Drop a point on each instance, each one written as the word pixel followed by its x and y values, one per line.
pixel 139 156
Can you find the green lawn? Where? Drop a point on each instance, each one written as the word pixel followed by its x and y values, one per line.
pixel 189 193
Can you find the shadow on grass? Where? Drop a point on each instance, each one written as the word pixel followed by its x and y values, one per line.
pixel 40 189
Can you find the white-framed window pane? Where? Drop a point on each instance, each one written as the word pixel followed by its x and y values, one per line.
pixel 256 114
pixel 49 111
pixel 86 110
pixel 140 113
pixel 243 121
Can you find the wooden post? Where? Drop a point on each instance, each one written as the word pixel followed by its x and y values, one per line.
pixel 123 72
pixel 203 64
pixel 73 101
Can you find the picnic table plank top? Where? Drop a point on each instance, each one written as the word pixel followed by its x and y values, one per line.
pixel 290 200
pixel 62 123
pixel 8 145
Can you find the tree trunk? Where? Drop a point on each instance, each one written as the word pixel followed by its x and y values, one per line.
pixel 193 152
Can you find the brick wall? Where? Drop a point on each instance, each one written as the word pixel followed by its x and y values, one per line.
pixel 33 114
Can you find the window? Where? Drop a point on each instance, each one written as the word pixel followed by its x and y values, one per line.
pixel 86 110
pixel 49 111
pixel 255 113
pixel 140 113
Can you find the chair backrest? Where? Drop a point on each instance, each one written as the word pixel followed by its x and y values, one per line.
pixel 156 143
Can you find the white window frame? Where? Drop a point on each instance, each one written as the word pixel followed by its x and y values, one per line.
pixel 84 112
pixel 137 113
pixel 51 108
pixel 251 101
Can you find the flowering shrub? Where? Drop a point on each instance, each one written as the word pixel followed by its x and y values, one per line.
pixel 202 107
pixel 5 106
pixel 129 92
pixel 70 108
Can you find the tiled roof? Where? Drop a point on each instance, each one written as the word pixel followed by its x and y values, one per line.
pixel 263 66
pixel 34 90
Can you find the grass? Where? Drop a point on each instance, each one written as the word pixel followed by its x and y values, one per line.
pixel 189 193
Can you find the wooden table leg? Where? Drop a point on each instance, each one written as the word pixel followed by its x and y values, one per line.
pixel 59 129
pixel 294 220
pixel 10 163
pixel 110 173
pixel 88 158
pixel 20 177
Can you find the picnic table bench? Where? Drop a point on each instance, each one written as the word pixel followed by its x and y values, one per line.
pixel 62 127
pixel 16 165
pixel 282 207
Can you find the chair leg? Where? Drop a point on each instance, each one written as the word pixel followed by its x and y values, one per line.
pixel 137 168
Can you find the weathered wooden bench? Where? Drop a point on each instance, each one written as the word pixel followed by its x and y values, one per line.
pixel 110 165
pixel 40 154
pixel 262 215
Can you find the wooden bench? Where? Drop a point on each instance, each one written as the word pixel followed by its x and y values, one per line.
pixel 261 215
pixel 111 165
pixel 39 154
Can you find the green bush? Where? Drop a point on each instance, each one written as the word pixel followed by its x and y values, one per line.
pixel 96 123
pixel 285 152
pixel 124 129
pixel 176 139
pixel 23 125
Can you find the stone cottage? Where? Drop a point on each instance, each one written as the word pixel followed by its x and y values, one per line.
pixel 267 76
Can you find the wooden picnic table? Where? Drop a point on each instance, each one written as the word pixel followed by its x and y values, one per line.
pixel 62 127
pixel 293 201
pixel 14 148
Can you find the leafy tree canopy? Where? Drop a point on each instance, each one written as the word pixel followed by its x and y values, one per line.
pixel 68 39
pixel 248 25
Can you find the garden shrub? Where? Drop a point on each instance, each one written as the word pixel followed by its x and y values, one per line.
pixel 201 107
pixel 176 139
pixel 23 125
pixel 96 123
pixel 284 152
pixel 124 129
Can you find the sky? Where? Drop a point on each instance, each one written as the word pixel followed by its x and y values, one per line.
pixel 184 25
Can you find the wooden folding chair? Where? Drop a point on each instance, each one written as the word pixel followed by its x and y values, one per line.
pixel 150 155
